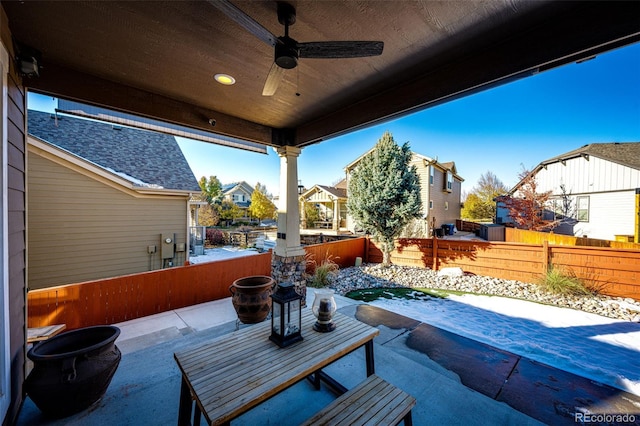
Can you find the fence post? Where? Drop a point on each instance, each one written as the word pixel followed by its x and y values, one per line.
pixel 545 256
pixel 434 251
pixel 366 250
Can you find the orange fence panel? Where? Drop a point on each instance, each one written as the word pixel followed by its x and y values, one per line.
pixel 515 235
pixel 615 272
pixel 343 252
pixel 118 299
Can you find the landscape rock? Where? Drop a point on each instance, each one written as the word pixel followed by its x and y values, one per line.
pixel 378 276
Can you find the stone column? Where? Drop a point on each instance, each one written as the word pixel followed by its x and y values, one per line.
pixel 288 263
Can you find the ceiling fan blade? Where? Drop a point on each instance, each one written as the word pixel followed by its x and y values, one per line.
pixel 273 80
pixel 340 49
pixel 245 21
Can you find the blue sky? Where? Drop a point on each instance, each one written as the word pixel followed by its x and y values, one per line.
pixel 498 130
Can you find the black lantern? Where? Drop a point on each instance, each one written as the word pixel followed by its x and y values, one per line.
pixel 286 315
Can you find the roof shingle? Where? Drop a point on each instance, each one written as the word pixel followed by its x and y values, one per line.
pixel 150 157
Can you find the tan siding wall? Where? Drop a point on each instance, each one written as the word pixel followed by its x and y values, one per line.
pixel 440 196
pixel 423 178
pixel 81 229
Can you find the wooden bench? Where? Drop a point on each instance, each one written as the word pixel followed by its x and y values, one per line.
pixel 37 334
pixel 372 402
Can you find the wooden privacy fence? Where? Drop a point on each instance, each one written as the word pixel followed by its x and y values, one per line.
pixel 615 272
pixel 118 299
pixel 343 252
pixel 514 235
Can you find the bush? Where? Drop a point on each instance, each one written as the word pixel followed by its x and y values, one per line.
pixel 559 281
pixel 215 237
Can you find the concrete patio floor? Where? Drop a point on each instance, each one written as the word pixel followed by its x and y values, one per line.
pixel 455 380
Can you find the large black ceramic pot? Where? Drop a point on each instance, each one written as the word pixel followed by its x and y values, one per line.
pixel 72 370
pixel 250 298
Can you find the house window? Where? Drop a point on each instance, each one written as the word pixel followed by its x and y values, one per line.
pixel 431 175
pixel 446 205
pixel 583 209
pixel 449 186
pixel 430 204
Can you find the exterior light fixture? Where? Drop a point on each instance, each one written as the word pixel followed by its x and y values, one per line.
pixel 286 315
pixel 224 79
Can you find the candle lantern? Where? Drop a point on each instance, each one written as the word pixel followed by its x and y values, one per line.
pixel 286 315
pixel 324 306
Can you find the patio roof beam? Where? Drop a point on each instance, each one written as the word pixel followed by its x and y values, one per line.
pixel 555 35
pixel 62 82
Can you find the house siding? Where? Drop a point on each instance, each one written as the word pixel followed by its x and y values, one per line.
pixel 440 196
pixel 81 229
pixel 581 176
pixel 611 190
pixel 16 237
pixel 423 178
pixel 604 222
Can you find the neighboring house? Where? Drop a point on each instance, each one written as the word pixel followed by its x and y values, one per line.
pixel 240 194
pixel 331 204
pixel 103 200
pixel 195 202
pixel 440 190
pixel 601 182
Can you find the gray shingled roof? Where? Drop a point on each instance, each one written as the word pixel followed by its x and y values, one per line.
pixel 625 153
pixel 337 192
pixel 151 157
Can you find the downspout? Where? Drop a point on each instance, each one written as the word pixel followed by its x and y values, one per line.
pixel 188 234
pixel 636 234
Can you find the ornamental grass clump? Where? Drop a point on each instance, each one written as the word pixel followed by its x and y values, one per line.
pixel 559 281
pixel 323 272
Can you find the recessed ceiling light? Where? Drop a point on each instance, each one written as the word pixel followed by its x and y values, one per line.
pixel 225 79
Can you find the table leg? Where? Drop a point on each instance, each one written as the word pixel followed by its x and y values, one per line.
pixel 408 419
pixel 371 368
pixel 314 378
pixel 186 404
pixel 196 416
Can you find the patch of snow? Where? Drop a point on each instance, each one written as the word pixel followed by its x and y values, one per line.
pixel 135 181
pixel 221 253
pixel 592 346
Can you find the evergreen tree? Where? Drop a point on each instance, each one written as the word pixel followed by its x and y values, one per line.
pixel 384 192
pixel 211 188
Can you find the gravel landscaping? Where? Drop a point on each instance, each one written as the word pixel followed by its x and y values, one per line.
pixel 376 276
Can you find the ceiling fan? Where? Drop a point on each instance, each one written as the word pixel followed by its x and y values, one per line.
pixel 288 50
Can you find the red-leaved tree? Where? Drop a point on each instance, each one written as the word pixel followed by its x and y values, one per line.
pixel 527 206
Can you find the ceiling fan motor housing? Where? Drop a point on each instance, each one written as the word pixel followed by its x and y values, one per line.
pixel 286 55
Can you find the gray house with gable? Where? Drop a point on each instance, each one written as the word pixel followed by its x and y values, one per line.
pixel 103 200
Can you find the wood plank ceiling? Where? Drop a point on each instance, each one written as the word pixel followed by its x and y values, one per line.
pixel 157 58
